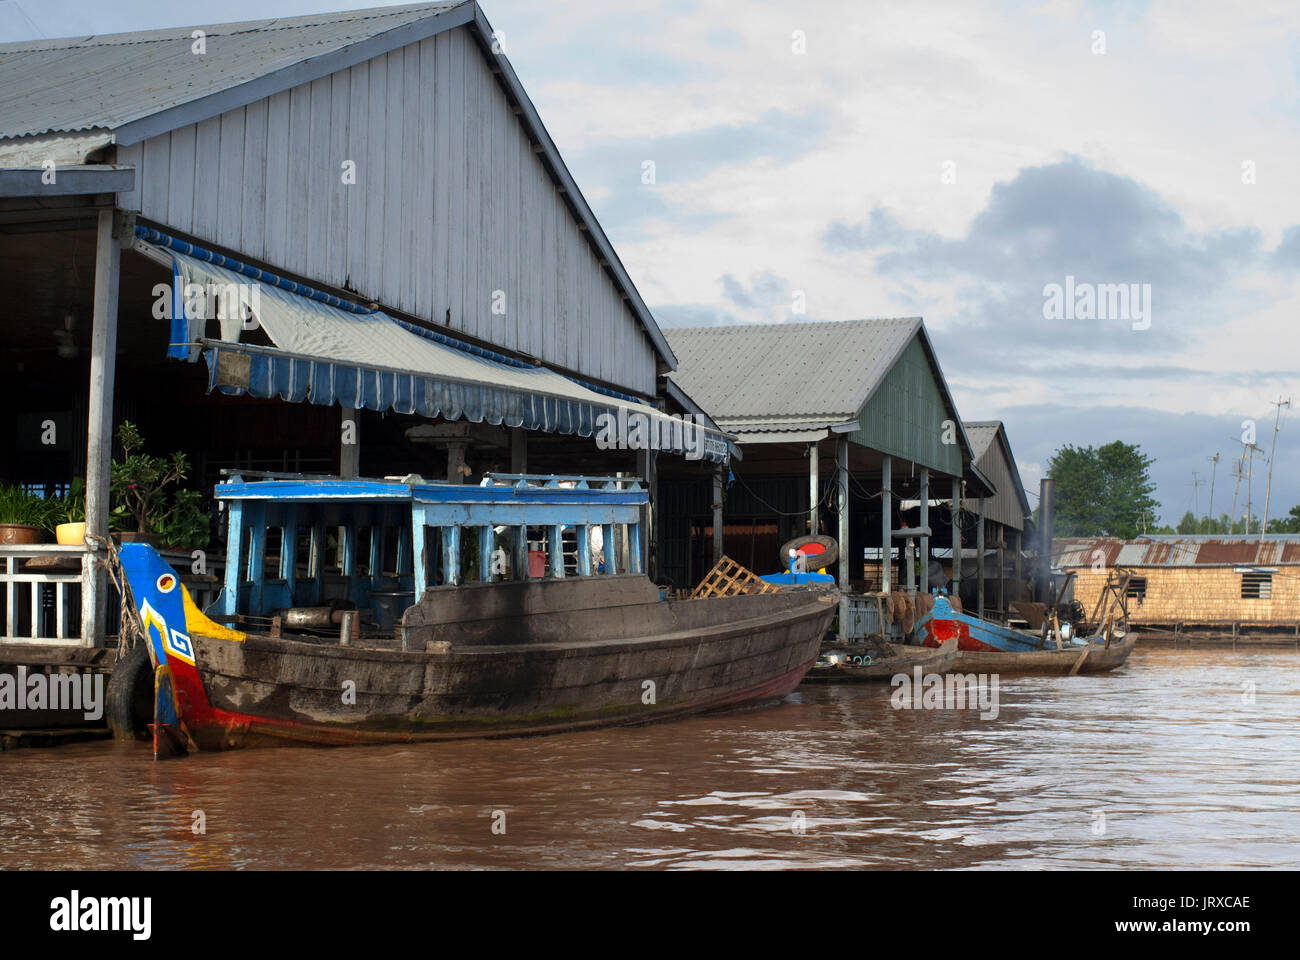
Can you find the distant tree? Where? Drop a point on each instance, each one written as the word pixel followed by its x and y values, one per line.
pixel 1189 523
pixel 1288 524
pixel 1102 492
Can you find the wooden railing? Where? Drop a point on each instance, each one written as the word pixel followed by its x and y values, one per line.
pixel 41 586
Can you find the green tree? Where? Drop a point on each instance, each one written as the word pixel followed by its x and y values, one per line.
pixel 1106 491
pixel 1288 524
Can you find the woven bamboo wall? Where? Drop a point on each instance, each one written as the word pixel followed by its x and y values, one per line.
pixel 1198 595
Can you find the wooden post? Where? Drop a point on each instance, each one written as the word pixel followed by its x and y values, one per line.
pixel 886 521
pixel 1002 571
pixel 842 486
pixel 717 514
pixel 99 422
pixel 419 550
pixel 814 486
pixel 925 524
pixel 956 536
pixel 1016 572
pixel 647 533
pixel 518 450
pixel 455 460
pixel 979 561
pixel 349 442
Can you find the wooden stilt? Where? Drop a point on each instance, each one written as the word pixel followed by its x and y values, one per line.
pixel 99 421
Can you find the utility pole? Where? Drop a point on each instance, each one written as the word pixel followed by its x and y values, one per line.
pixel 1268 490
pixel 1196 494
pixel 1250 477
pixel 1238 470
pixel 1209 512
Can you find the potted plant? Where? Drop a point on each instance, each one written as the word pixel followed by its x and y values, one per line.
pixel 148 498
pixel 24 517
pixel 69 515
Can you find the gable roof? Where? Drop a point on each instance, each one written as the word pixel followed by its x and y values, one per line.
pixel 127 87
pixel 805 374
pixel 112 81
pixel 982 434
pixel 785 379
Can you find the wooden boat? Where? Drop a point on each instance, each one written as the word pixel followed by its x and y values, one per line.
pixel 485 659
pixel 1094 657
pixel 904 657
pixel 988 647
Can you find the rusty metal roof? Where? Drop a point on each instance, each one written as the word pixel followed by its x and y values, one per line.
pixel 1177 551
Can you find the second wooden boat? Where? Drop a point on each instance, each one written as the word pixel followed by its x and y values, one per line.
pixel 903 659
pixel 1090 658
pixel 988 647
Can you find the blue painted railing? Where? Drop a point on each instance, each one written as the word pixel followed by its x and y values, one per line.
pixel 395 539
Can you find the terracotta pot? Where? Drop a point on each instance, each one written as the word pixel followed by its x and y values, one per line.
pixel 70 534
pixel 19 533
pixel 131 536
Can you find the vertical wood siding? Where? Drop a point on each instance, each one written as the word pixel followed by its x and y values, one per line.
pixel 450 204
pixel 1003 507
pixel 905 416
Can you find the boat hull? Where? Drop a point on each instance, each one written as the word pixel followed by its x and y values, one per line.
pixel 482 660
pixel 264 690
pixel 906 658
pixel 1099 659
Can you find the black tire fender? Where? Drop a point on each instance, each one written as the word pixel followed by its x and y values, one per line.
pixel 128 706
pixel 818 560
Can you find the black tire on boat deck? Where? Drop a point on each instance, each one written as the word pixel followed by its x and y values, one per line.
pixel 129 700
pixel 824 560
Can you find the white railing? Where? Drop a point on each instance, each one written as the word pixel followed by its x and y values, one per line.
pixel 41 587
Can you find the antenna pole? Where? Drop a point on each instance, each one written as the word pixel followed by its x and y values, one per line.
pixel 1209 511
pixel 1268 490
pixel 1236 489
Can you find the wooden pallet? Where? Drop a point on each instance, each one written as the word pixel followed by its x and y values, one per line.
pixel 730 579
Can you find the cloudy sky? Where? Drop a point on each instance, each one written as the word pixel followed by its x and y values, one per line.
pixel 947 160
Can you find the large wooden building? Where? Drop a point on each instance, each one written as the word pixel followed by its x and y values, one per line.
pixel 420 286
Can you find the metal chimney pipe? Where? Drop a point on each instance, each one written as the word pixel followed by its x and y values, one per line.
pixel 1046 516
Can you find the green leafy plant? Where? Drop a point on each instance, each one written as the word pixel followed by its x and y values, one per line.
pixel 19 506
pixel 147 494
pixel 71 507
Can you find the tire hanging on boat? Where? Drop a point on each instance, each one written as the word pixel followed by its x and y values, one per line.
pixel 821 551
pixel 128 702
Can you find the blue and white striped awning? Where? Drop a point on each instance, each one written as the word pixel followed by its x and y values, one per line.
pixel 328 351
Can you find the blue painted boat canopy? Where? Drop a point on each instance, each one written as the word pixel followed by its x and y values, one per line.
pixel 512 489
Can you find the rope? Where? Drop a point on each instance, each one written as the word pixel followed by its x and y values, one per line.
pixel 130 629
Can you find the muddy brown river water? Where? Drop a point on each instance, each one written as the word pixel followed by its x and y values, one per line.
pixel 1183 759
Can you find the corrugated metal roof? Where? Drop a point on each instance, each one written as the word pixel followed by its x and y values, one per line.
pixel 135 83
pixel 746 438
pixel 105 81
pixel 982 433
pixel 785 375
pixel 1178 551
